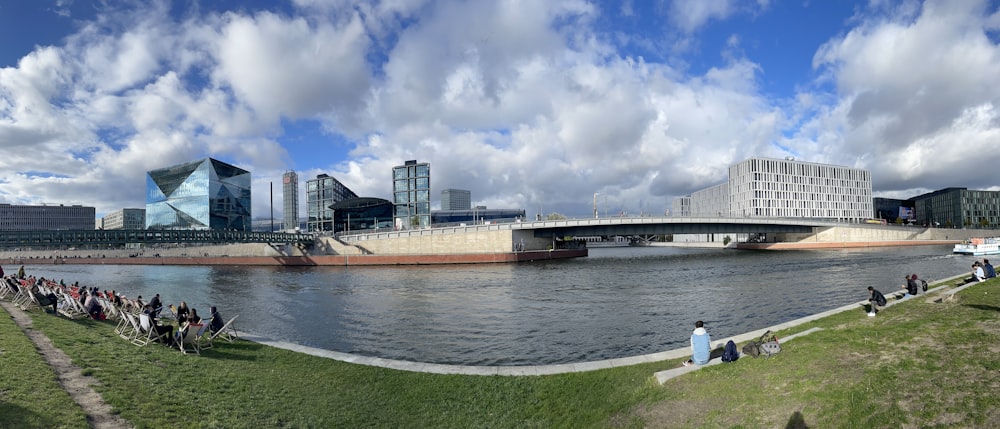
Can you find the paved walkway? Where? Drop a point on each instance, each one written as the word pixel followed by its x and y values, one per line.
pixel 678 354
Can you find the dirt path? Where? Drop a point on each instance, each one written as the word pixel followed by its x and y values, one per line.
pixel 71 377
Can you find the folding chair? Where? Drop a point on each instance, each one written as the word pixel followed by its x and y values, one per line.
pixel 189 338
pixel 147 332
pixel 228 331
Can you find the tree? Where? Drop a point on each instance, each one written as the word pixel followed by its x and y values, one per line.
pixel 726 240
pixel 555 216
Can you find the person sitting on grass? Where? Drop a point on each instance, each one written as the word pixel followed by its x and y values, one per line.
pixel 978 275
pixel 911 286
pixel 876 300
pixel 990 271
pixel 701 345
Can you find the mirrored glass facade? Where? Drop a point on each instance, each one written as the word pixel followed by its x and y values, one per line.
pixel 411 193
pixel 322 192
pixel 205 194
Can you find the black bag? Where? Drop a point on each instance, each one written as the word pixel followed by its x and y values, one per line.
pixel 730 354
pixel 923 283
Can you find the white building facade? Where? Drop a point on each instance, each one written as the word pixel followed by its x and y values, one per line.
pixel 764 187
pixel 125 219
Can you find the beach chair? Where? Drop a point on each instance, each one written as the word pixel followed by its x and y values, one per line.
pixel 148 332
pixel 71 307
pixel 228 331
pixel 188 340
pixel 30 302
pixel 130 329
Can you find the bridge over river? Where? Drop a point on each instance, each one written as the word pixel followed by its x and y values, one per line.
pixel 555 234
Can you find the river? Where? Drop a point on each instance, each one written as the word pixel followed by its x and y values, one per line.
pixel 617 302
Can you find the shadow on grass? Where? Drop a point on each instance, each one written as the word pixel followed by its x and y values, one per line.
pixel 216 354
pixel 982 307
pixel 15 416
pixel 796 421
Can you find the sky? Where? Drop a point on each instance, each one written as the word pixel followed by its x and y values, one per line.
pixel 535 105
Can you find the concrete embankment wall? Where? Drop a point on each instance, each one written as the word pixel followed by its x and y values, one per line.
pixel 319 260
pixel 445 241
pixel 847 237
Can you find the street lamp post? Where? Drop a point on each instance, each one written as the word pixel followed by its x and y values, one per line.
pixel 595 204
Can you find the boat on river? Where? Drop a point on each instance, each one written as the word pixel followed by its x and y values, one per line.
pixel 979 247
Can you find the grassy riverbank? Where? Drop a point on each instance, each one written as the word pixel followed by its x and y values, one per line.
pixel 917 364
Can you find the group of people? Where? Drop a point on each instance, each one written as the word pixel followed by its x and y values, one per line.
pixel 982 271
pixel 186 318
pixel 48 293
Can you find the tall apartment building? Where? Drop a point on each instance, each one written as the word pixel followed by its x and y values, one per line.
pixel 321 193
pixel 124 219
pixel 290 195
pixel 456 199
pixel 411 190
pixel 764 187
pixel 33 218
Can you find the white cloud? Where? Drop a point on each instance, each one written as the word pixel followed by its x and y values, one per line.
pixel 522 102
pixel 906 86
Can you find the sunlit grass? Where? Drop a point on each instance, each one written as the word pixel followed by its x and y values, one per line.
pixel 917 364
pixel 30 394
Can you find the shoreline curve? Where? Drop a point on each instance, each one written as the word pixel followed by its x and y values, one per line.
pixel 563 368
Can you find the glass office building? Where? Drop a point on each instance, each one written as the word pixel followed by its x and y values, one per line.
pixel 205 194
pixel 411 190
pixel 323 192
pixel 363 213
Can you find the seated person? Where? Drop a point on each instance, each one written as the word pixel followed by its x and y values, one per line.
pixel 45 299
pixel 701 345
pixel 92 307
pixel 876 299
pixel 182 312
pixel 911 286
pixel 217 323
pixel 162 331
pixel 193 318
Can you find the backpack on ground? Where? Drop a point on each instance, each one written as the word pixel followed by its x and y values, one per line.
pixel 923 284
pixel 730 354
pixel 767 345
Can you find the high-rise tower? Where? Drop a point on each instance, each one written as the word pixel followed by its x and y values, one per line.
pixel 290 192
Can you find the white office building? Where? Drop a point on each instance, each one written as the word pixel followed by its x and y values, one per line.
pixel 764 187
pixel 456 199
pixel 124 219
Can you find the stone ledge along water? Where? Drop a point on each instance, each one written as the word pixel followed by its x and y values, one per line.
pixel 618 302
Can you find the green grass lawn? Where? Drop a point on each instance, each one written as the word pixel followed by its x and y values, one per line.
pixel 917 364
pixel 30 395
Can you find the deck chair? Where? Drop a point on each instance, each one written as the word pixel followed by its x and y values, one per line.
pixel 189 338
pixel 228 331
pixel 71 307
pixel 131 328
pixel 148 332
pixel 30 302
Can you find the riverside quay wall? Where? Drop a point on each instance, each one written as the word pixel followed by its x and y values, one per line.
pixel 852 237
pixel 486 245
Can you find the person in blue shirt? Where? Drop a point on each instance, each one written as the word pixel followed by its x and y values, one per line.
pixel 701 345
pixel 990 271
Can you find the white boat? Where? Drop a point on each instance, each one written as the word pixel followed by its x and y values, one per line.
pixel 979 247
